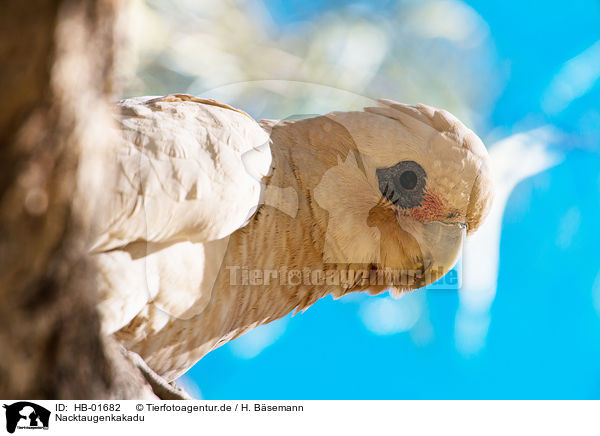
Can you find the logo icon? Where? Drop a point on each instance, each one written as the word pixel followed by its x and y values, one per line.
pixel 26 415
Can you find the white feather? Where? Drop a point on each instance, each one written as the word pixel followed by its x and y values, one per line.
pixel 181 189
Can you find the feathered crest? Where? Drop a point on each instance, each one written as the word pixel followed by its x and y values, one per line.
pixel 423 121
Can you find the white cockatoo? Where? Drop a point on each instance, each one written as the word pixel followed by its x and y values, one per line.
pixel 217 224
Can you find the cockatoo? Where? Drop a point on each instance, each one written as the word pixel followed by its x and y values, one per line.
pixel 217 223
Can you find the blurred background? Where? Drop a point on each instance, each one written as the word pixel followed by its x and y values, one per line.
pixel 525 321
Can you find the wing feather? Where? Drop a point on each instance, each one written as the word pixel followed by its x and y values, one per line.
pixel 188 173
pixel 187 169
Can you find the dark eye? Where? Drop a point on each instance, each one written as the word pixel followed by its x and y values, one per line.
pixel 408 179
pixel 403 184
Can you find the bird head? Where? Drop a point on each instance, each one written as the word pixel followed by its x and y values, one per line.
pixel 414 182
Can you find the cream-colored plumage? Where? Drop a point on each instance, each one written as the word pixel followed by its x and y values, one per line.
pixel 190 169
pixel 207 223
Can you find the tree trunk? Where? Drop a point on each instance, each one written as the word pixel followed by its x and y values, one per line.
pixel 57 81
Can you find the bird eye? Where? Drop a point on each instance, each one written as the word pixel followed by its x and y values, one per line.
pixel 408 179
pixel 403 184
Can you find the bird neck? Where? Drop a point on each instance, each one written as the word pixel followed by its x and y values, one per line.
pixel 275 264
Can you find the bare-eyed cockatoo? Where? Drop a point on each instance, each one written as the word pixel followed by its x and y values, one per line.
pixel 217 224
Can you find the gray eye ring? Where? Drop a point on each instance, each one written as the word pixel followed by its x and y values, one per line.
pixel 403 184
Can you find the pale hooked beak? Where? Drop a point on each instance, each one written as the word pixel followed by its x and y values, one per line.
pixel 441 245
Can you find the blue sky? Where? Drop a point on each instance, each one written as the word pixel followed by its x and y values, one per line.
pixel 542 335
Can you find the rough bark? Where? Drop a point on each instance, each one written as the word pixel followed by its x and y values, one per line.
pixel 56 75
